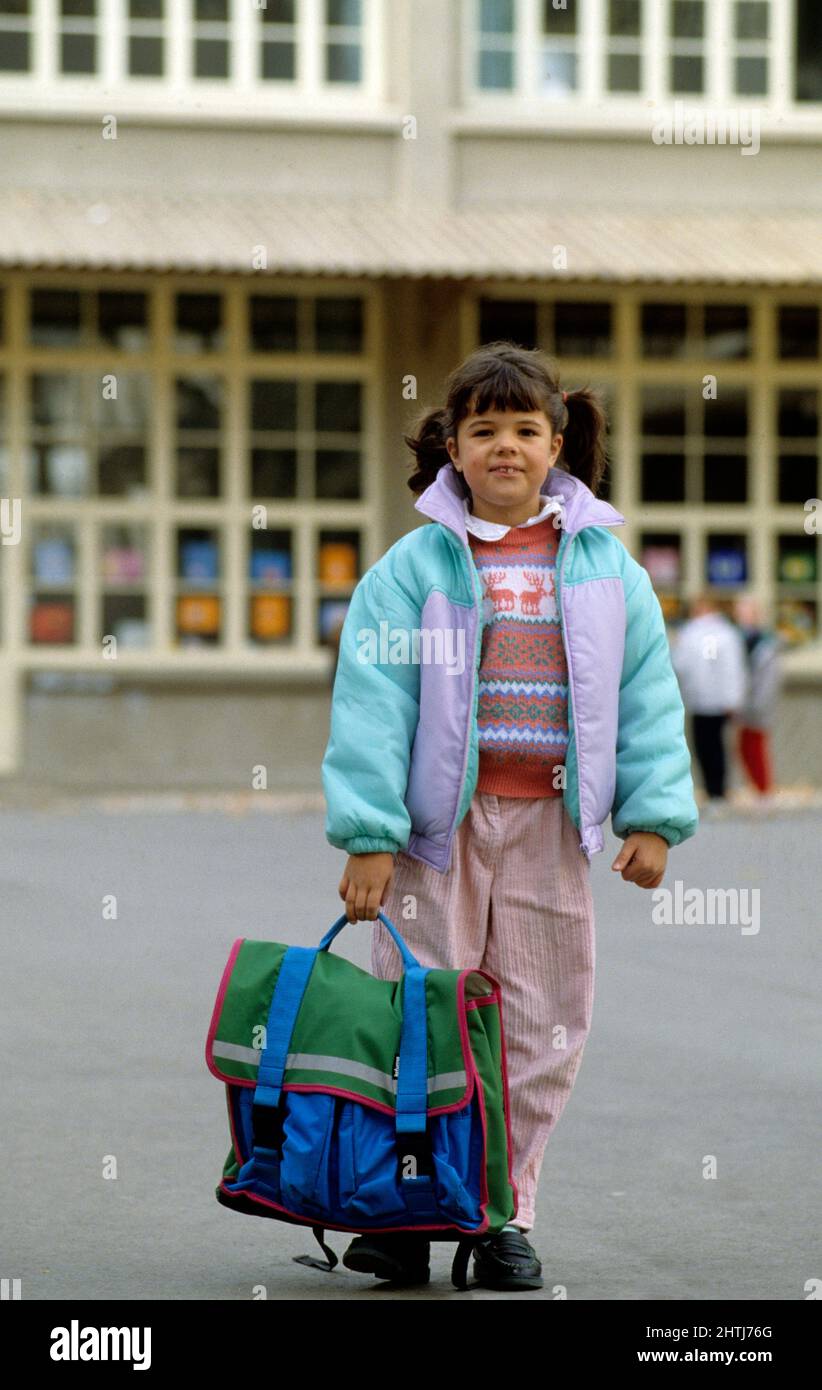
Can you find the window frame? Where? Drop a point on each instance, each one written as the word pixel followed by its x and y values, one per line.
pixel 161 512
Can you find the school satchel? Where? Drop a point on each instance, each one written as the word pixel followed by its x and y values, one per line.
pixel 360 1104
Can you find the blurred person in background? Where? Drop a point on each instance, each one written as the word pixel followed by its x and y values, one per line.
pixel 765 676
pixel 710 662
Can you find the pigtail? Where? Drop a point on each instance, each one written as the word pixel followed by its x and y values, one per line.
pixel 584 451
pixel 427 443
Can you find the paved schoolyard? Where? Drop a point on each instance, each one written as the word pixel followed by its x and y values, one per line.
pixel 704 1051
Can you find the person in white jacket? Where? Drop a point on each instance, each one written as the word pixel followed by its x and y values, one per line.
pixel 710 662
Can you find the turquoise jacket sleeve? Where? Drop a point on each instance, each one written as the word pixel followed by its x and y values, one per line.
pixel 374 716
pixel 654 788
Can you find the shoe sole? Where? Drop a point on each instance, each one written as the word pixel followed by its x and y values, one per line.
pixel 510 1282
pixel 384 1267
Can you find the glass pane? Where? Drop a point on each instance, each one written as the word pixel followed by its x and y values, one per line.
pixel 497 16
pixel 798 478
pixel 751 76
pixel 808 52
pixel 71 9
pixel 727 416
pixel 78 52
pixel 273 472
pixel 624 72
pixel 687 19
pixel 797 559
pixel 508 319
pixel 337 405
pixel 146 9
pixel 124 617
pixel 198 471
pixel 123 553
pixel 273 323
pixel 343 12
pixel 662 478
pixel 198 403
pixel 121 470
pixel 338 474
pixel 278 12
pixel 624 17
pixel 562 21
pixel 663 330
pixel 128 410
pixel 198 554
pixel 798 331
pixel 726 560
pixel 338 324
pixel 338 557
pixel 210 58
pixel 55 318
pixel 751 19
pixel 273 405
pixel 582 329
pixel 278 61
pixel 343 62
pixel 123 320
pixel 687 74
pixel 727 330
pixel 198 323
pixel 663 411
pixel 211 9
pixel 270 556
pixel 496 70
pixel 57 399
pixel 14 52
pixel 53 556
pixel 51 619
pixel 145 56
pixel 559 71
pixel 798 414
pixel 725 478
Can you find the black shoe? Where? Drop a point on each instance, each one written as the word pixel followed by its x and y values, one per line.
pixel 398 1256
pixel 507 1261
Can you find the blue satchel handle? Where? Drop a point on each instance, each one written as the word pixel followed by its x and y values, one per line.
pixel 408 959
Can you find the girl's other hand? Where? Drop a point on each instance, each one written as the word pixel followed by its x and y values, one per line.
pixel 363 885
pixel 642 859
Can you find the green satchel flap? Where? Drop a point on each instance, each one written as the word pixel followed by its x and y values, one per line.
pixel 348 1029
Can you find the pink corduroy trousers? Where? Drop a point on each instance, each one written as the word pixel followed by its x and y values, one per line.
pixel 516 902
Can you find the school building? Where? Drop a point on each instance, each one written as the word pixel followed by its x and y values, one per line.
pixel 241 243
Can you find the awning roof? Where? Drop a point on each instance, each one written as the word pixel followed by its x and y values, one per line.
pixel 124 230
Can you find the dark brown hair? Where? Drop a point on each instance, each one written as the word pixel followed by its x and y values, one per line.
pixel 503 376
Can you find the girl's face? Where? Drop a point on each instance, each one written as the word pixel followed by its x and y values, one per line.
pixel 505 457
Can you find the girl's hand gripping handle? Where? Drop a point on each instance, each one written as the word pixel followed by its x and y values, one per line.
pixel 363 884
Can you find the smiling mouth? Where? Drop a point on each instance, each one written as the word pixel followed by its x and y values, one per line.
pixel 506 468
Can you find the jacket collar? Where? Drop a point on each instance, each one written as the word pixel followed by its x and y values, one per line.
pixel 442 501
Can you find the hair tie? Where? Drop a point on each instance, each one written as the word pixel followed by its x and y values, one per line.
pixel 565 398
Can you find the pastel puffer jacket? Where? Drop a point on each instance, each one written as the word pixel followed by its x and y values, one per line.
pixel 402 759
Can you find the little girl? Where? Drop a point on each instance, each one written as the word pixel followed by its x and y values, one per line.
pixel 504 684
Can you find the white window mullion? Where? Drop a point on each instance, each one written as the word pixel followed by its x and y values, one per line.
pixel 781 49
pixel 178 48
pixel 245 42
pixel 311 47
pixel 655 46
pixel 372 40
pixel 111 65
pixel 720 51
pixel 591 84
pixel 528 57
pixel 44 39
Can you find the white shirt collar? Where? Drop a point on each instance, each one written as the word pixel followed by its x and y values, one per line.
pixel 493 530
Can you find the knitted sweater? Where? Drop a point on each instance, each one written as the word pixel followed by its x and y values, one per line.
pixel 522 710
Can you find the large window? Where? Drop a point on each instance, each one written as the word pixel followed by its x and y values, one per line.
pixel 241 47
pixel 187 484
pixel 654 50
pixel 715 436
